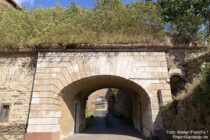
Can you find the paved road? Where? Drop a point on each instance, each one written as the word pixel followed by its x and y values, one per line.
pixel 106 126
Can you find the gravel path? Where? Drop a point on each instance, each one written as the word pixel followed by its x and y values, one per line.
pixel 106 126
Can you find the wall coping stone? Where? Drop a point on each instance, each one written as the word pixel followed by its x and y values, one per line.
pixel 98 48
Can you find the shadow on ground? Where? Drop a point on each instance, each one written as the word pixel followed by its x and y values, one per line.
pixel 105 122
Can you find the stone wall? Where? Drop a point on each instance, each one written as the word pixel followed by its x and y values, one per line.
pixel 193 66
pixel 68 74
pixel 121 104
pixel 127 106
pixel 181 59
pixel 56 70
pixel 16 80
pixel 175 56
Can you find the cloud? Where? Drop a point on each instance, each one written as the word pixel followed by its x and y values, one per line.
pixel 21 2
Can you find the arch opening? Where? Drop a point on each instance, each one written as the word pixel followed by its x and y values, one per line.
pixel 96 101
pixel 75 95
pixel 115 109
pixel 177 84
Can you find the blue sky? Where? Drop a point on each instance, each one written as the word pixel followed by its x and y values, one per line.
pixel 49 3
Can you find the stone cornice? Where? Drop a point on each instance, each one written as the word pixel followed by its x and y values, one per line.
pixel 98 48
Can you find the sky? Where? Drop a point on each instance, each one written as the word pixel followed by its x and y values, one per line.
pixel 49 3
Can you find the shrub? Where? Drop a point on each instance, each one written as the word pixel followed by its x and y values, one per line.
pixel 109 22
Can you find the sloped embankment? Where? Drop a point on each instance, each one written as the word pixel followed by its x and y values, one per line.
pixel 190 110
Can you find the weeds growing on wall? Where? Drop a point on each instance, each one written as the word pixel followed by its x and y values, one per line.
pixel 108 22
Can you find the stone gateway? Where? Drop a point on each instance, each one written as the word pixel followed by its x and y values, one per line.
pixel 43 92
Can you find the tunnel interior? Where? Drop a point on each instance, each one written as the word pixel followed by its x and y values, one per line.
pixel 112 108
pixel 134 103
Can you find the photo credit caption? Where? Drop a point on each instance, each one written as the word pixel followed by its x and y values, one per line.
pixel 188 134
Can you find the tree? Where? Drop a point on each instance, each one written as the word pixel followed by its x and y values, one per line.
pixel 97 2
pixel 187 18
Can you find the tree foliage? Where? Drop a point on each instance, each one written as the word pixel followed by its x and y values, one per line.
pixel 189 19
pixel 110 21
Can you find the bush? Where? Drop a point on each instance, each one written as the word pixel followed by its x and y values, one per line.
pixel 109 22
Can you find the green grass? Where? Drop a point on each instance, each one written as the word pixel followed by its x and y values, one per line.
pixel 113 22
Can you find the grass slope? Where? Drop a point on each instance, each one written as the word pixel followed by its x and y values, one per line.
pixel 190 110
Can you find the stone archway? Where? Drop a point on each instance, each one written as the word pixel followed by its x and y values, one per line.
pixel 58 72
pixel 77 93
